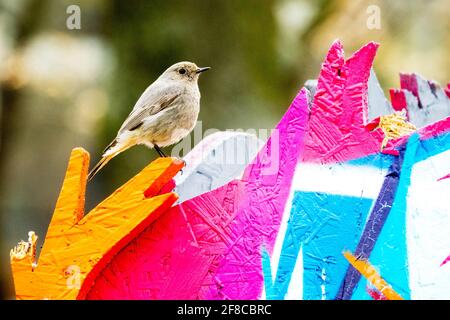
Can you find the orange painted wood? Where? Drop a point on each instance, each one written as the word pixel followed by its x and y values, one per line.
pixel 77 247
pixel 368 271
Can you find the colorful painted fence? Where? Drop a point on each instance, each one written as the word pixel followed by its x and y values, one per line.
pixel 322 212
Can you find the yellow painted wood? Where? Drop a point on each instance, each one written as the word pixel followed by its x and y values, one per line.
pixel 77 247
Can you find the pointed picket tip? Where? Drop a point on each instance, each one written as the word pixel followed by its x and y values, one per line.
pixel 337 124
pixel 78 246
pixel 71 200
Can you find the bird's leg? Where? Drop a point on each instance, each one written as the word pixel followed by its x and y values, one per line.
pixel 158 149
pixel 161 154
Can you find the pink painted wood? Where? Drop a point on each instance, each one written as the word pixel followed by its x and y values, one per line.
pixel 209 247
pixel 337 127
pixel 398 99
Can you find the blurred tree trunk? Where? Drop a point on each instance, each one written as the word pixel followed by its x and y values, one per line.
pixel 26 24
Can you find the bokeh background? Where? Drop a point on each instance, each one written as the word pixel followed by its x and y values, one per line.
pixel 62 88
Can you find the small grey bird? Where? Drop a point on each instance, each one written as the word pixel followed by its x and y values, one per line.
pixel 165 113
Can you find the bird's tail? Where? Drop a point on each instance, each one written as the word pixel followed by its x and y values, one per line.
pixel 110 152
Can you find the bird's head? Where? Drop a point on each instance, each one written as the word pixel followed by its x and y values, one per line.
pixel 184 71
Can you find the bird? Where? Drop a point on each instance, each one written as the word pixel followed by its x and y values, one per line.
pixel 165 113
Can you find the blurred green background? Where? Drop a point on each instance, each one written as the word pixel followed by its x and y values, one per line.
pixel 63 88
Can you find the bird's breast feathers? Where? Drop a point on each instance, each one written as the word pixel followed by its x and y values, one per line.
pixel 172 124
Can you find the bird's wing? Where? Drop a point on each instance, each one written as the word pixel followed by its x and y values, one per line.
pixel 137 115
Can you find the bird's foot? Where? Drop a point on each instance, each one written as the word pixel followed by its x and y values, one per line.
pixel 160 152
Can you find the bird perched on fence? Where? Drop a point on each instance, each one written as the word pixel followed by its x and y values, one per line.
pixel 165 113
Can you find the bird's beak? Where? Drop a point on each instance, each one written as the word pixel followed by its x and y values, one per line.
pixel 200 70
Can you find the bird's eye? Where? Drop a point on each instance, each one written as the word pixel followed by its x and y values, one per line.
pixel 182 71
